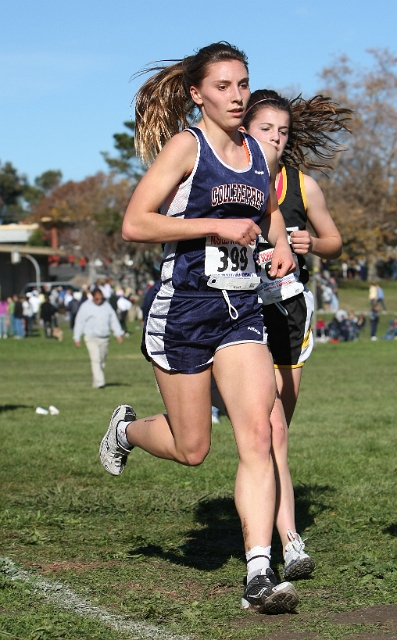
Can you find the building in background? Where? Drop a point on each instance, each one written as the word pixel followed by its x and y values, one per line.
pixel 19 262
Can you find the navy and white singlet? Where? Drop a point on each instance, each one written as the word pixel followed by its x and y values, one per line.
pixel 188 321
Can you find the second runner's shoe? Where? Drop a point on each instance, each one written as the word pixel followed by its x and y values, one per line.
pixel 297 564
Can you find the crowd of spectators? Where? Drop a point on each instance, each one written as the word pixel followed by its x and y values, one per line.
pixel 21 314
pixel 343 327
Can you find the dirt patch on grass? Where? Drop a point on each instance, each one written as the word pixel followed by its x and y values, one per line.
pixel 384 616
pixel 64 565
pixel 382 613
pixel 284 630
pixel 289 635
pixel 376 635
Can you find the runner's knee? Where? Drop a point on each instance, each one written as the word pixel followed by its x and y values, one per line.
pixel 193 457
pixel 256 443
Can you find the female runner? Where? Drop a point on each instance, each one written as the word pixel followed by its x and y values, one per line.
pixel 293 129
pixel 214 187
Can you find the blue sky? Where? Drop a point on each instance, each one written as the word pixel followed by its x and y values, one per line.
pixel 65 66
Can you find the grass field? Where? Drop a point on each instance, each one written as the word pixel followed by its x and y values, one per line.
pixel 160 548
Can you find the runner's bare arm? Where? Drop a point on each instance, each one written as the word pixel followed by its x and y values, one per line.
pixel 327 243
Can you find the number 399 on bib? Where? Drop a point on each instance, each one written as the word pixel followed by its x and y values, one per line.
pixel 228 258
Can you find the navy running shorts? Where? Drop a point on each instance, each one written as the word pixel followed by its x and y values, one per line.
pixel 184 329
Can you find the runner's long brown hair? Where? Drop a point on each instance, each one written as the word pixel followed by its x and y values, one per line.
pixel 311 122
pixel 163 105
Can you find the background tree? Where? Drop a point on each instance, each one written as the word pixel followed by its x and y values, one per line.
pixel 362 191
pixel 17 195
pixel 12 187
pixel 44 184
pixel 127 163
pixel 89 215
pixel 48 181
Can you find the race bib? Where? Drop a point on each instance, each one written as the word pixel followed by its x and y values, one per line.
pixel 270 290
pixel 228 259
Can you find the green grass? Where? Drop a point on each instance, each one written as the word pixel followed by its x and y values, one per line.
pixel 162 543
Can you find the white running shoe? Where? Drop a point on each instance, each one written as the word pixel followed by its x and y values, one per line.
pixel 113 456
pixel 297 564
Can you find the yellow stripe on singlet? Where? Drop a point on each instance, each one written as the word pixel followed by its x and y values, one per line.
pixel 284 190
pixel 303 190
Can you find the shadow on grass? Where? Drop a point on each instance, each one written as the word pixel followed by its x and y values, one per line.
pixel 210 546
pixel 219 537
pixel 117 384
pixel 391 529
pixel 12 407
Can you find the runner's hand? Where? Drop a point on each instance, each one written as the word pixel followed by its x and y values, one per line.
pixel 302 242
pixel 242 231
pixel 282 261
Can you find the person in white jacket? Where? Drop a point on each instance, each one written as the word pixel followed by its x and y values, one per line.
pixel 96 319
pixel 123 306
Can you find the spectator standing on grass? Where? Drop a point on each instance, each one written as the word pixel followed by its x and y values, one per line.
pixel 373 317
pixel 18 317
pixel 372 294
pixel 123 307
pixel 28 313
pixel 380 297
pixel 113 299
pixel 3 318
pixel 35 302
pixel 319 292
pixel 334 306
pixel 320 329
pixel 73 307
pixel 53 296
pixel 82 263
pixel 96 320
pixel 68 298
pixel 326 295
pixel 11 321
pixel 107 288
pixel 47 314
pixel 61 297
